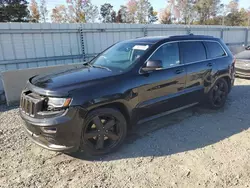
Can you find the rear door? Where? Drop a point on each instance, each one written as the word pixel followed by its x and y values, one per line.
pixel 199 69
pixel 163 88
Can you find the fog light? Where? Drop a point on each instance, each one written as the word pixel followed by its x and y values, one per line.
pixel 49 130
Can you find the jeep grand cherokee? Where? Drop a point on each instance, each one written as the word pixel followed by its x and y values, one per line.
pixel 91 108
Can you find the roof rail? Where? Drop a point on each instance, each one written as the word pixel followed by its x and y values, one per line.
pixel 191 35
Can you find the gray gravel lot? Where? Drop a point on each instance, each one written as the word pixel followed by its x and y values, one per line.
pixel 193 148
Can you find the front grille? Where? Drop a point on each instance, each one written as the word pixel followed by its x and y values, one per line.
pixel 31 103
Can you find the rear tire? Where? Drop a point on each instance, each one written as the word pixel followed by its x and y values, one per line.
pixel 217 96
pixel 104 131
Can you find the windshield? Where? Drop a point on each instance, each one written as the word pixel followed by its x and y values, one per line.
pixel 122 55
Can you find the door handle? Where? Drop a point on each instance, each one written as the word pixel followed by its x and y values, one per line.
pixel 210 64
pixel 179 71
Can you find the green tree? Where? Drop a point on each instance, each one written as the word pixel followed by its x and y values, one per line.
pixel 113 17
pixel 122 15
pixel 14 11
pixel 206 9
pixel 237 18
pixel 105 11
pixel 152 17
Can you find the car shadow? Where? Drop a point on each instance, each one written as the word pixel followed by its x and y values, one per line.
pixel 183 131
pixel 5 108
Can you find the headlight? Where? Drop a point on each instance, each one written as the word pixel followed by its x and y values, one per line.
pixel 58 102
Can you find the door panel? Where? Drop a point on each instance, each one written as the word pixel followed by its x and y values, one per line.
pixel 198 77
pixel 163 88
pixel 162 91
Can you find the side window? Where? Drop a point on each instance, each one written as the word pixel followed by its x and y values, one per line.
pixel 214 50
pixel 168 54
pixel 192 51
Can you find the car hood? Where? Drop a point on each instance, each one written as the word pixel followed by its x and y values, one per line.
pixel 243 55
pixel 69 79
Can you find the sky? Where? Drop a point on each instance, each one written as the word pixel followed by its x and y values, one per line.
pixel 157 4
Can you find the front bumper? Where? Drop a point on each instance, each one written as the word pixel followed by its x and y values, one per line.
pixel 241 72
pixel 68 126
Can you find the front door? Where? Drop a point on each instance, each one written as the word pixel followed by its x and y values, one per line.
pixel 163 88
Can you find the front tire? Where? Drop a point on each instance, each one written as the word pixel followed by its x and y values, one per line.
pixel 104 130
pixel 217 96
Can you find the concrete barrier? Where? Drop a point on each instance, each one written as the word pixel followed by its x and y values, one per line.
pixel 14 81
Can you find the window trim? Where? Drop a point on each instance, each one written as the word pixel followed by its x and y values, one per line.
pixel 182 64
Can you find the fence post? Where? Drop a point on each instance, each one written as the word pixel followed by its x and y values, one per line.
pixel 222 33
pixel 246 37
pixel 82 43
pixel 145 31
pixel 188 29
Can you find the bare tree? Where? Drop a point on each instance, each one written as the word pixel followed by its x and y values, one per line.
pixel 34 12
pixel 165 16
pixel 132 8
pixel 44 11
pixel 59 14
pixel 91 11
pixel 76 11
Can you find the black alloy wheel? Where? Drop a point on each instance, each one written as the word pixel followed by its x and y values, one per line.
pixel 104 131
pixel 218 94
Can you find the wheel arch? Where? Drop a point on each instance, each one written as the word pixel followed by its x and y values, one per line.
pixel 228 80
pixel 116 105
pixel 226 77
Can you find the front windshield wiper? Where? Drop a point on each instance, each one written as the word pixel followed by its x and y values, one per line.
pixel 101 67
pixel 88 64
pixel 96 66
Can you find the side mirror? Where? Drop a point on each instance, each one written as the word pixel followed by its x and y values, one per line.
pixel 153 65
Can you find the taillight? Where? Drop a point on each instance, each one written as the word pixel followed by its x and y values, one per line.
pixel 234 60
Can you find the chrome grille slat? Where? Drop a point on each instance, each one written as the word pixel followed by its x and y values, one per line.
pixel 31 108
pixel 30 105
pixel 25 105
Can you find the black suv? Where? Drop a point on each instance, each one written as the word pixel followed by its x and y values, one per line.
pixel 92 107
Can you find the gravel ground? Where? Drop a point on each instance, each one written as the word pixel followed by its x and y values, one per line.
pixel 193 148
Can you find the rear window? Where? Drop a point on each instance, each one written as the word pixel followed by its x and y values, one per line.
pixel 214 50
pixel 192 51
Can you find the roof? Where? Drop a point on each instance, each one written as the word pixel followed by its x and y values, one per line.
pixel 156 39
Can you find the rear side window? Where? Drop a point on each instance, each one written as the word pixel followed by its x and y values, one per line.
pixel 214 50
pixel 192 51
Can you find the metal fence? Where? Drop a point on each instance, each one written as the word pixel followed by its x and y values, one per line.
pixel 25 45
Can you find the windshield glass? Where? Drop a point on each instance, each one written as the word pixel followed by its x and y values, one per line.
pixel 122 55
